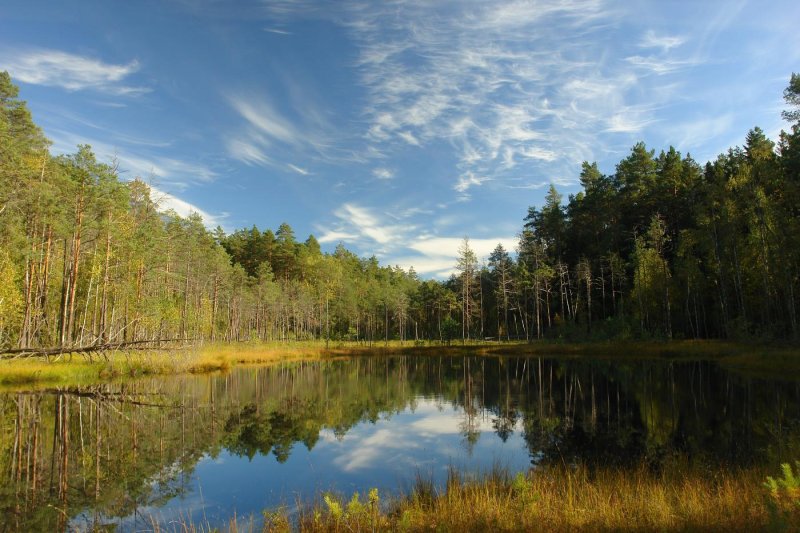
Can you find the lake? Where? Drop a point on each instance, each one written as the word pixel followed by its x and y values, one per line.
pixel 201 447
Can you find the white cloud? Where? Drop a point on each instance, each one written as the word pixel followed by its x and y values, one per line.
pixel 659 65
pixel 629 122
pixel 137 160
pixel 265 119
pixel 533 152
pixel 167 201
pixel 512 83
pixel 336 236
pixel 665 42
pixel 448 246
pixel 383 173
pixel 465 181
pixel 398 441
pixel 268 133
pixel 299 170
pixel 371 449
pixel 530 186
pixel 438 267
pixel 522 83
pixel 402 244
pixel 408 137
pixel 168 172
pixel 69 71
pixel 691 134
pixel 367 223
pixel 246 152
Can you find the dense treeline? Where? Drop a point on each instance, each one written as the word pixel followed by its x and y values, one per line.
pixel 663 247
pixel 87 258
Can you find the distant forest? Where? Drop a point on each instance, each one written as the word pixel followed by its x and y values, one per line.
pixel 661 248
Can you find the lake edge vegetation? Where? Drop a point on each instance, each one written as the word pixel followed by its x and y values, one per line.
pixel 678 497
pixel 759 359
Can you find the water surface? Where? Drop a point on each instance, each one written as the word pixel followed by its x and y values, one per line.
pixel 203 447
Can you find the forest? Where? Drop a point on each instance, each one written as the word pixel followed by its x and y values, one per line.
pixel 663 247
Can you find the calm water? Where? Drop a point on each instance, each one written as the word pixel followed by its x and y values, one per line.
pixel 200 447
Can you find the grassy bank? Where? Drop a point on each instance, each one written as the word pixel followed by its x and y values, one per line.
pixel 75 369
pixel 774 360
pixel 557 499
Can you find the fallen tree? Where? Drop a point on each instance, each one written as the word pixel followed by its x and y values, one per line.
pixel 98 348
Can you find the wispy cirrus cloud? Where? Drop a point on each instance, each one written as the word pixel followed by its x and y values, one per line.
pixel 164 174
pixel 137 161
pixel 268 123
pixel 502 83
pixel 278 31
pixel 247 152
pixel 467 181
pixel 659 65
pixel 665 42
pixel 298 170
pixel 70 71
pixel 268 133
pixel 505 85
pixel 629 121
pixel 408 137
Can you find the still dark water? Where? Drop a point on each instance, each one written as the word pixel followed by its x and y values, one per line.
pixel 200 448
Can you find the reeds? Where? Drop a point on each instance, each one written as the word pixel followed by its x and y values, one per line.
pixel 579 499
pixel 558 498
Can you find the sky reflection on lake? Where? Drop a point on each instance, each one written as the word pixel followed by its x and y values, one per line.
pixel 388 454
pixel 200 448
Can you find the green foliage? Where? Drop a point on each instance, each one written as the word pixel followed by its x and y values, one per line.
pixel 450 330
pixel 523 489
pixel 660 248
pixel 356 515
pixel 792 97
pixel 10 299
pixel 784 497
pixel 334 506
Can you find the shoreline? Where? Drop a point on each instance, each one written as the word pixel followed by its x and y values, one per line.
pixel 756 359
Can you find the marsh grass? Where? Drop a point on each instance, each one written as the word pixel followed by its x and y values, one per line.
pixel 580 499
pixel 763 360
pixel 676 498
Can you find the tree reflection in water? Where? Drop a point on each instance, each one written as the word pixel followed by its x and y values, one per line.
pixel 86 455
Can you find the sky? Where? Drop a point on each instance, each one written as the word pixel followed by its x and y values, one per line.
pixel 395 127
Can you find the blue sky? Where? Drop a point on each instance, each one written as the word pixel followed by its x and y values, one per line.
pixel 396 127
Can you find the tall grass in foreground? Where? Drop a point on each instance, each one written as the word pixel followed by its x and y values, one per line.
pixel 558 499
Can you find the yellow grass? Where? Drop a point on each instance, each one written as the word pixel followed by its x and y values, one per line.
pixel 555 499
pixel 566 499
pixel 79 369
